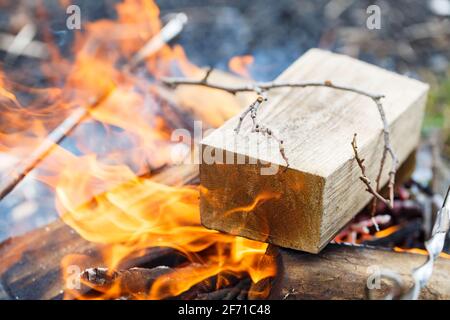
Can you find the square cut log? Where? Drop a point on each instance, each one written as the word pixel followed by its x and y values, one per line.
pixel 304 206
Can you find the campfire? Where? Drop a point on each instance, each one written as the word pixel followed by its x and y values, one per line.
pixel 105 132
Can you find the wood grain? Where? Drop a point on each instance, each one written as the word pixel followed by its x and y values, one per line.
pixel 304 206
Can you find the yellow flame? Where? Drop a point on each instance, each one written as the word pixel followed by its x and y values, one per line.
pixel 386 232
pixel 239 65
pixel 421 252
pixel 99 193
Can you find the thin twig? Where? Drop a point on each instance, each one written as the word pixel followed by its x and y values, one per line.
pixel 207 74
pixel 387 151
pixel 365 179
pixel 167 33
pixel 260 128
pixel 47 146
pixel 265 86
pixel 262 87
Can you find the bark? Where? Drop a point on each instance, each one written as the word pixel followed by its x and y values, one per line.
pixel 341 272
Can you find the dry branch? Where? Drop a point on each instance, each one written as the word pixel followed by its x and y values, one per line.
pixel 259 128
pixel 366 180
pixel 262 87
pixel 167 33
pixel 137 282
pixel 47 146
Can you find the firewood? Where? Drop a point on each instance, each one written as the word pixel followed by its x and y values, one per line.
pixel 316 189
pixel 30 267
pixel 215 295
pixel 238 289
pixel 342 272
pixel 137 282
pixel 134 281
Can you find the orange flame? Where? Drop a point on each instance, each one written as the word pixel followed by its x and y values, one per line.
pixel 141 213
pixel 4 93
pixel 421 252
pixel 100 193
pixel 386 232
pixel 239 65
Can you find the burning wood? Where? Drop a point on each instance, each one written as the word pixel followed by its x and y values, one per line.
pixel 137 282
pixel 166 34
pixel 36 273
pixel 54 138
pixel 134 281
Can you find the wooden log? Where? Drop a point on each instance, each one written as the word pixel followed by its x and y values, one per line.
pixel 30 267
pixel 134 281
pixel 304 206
pixel 341 272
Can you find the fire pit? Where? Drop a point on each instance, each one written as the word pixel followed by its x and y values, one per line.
pixel 99 180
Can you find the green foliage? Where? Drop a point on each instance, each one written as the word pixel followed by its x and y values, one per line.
pixel 438 103
pixel 438 107
pixel 438 111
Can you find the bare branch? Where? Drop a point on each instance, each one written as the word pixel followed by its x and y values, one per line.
pixel 262 87
pixel 265 86
pixel 167 33
pixel 260 128
pixel 365 179
pixel 207 74
pixel 269 133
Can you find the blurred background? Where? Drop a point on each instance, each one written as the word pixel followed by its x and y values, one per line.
pixel 414 39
